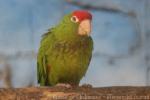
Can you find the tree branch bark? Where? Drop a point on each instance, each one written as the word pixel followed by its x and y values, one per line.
pixel 78 93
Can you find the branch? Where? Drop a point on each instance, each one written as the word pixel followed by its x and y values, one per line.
pixel 78 93
pixel 103 8
pixel 90 7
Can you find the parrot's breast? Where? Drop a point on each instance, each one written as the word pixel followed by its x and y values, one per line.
pixel 69 61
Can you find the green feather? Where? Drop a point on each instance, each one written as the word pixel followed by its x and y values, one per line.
pixel 63 56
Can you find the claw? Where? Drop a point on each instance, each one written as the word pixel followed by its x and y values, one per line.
pixel 86 86
pixel 64 85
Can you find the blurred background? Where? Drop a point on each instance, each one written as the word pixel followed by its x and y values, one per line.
pixel 121 33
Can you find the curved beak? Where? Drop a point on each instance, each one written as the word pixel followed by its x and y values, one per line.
pixel 85 27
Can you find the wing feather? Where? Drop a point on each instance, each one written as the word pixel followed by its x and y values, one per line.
pixel 42 73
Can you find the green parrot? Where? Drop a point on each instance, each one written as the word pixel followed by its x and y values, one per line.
pixel 66 50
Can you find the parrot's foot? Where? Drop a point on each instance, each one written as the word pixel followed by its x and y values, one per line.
pixel 86 86
pixel 68 86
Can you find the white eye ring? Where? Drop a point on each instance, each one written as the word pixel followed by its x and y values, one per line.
pixel 74 19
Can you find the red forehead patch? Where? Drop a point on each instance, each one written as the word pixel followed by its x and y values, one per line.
pixel 82 14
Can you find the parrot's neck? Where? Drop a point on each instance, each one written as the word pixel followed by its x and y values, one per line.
pixel 68 34
pixel 71 39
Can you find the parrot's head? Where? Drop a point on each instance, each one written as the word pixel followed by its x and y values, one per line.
pixel 78 23
pixel 83 21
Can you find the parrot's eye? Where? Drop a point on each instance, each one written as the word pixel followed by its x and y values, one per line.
pixel 74 19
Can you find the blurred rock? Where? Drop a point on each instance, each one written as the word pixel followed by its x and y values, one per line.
pixel 5 75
